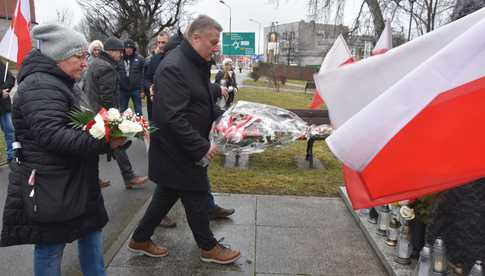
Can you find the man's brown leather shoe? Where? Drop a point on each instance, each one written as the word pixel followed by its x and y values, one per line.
pixel 148 248
pixel 220 255
pixel 136 182
pixel 168 223
pixel 104 183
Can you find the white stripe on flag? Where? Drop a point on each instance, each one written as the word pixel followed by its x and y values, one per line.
pixel 460 61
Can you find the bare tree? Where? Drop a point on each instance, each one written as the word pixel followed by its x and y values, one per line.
pixel 425 15
pixel 140 20
pixel 464 7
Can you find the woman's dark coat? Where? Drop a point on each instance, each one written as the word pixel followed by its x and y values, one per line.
pixel 40 116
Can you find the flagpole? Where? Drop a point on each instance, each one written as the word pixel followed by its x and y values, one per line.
pixel 5 75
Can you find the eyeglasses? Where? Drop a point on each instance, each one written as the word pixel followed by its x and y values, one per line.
pixel 83 55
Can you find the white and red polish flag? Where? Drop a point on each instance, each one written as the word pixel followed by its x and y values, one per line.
pixel 414 122
pixel 16 42
pixel 384 43
pixel 339 54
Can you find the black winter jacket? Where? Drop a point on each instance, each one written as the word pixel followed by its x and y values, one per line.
pixel 151 68
pixel 230 81
pixel 101 83
pixel 55 149
pixel 183 110
pixel 5 103
pixel 134 80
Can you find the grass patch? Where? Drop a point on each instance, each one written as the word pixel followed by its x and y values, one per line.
pixel 263 82
pixel 275 172
pixel 296 82
pixel 287 100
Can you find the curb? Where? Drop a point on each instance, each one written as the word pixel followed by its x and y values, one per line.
pixel 385 253
pixel 125 235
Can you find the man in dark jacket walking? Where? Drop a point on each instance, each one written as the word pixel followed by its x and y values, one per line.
pixel 183 109
pixel 6 109
pixel 131 77
pixel 62 201
pixel 151 64
pixel 102 87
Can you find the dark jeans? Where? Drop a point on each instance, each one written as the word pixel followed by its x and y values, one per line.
pixel 125 97
pixel 124 164
pixel 7 128
pixel 195 204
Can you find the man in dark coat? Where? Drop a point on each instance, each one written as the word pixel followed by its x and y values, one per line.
pixel 184 110
pixel 55 157
pixel 6 109
pixel 131 77
pixel 151 64
pixel 101 83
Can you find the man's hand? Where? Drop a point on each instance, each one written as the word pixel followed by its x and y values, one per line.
pixel 117 142
pixel 212 152
pixel 5 93
pixel 224 91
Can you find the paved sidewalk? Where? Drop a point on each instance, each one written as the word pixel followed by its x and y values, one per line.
pixel 277 235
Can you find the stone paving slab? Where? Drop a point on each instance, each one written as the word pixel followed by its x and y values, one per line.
pixel 277 235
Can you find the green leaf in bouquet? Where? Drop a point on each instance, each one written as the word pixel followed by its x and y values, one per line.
pixel 79 118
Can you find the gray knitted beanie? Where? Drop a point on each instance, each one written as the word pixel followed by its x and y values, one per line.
pixel 59 42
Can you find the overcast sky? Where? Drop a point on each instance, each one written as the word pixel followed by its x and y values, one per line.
pixel 242 11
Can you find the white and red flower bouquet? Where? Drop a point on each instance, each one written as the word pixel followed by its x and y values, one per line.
pixel 107 124
pixel 248 127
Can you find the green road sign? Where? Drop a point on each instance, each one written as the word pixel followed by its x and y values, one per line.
pixel 238 44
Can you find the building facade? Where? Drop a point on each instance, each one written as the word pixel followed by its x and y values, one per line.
pixel 306 43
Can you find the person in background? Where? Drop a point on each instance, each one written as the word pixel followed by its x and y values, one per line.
pixel 227 78
pixel 151 67
pixel 6 109
pixel 183 110
pixel 102 87
pixel 55 153
pixel 95 47
pixel 131 77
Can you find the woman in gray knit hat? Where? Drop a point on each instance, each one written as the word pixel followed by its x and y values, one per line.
pixel 54 197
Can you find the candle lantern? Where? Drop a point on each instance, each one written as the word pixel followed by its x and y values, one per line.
pixel 477 269
pixel 383 220
pixel 393 232
pixel 404 247
pixel 424 263
pixel 373 215
pixel 439 264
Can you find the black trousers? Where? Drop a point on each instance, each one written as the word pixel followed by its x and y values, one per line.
pixel 149 105
pixel 230 99
pixel 196 210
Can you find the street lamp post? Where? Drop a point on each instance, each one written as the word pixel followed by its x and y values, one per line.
pixel 230 14
pixel 259 34
pixel 410 18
